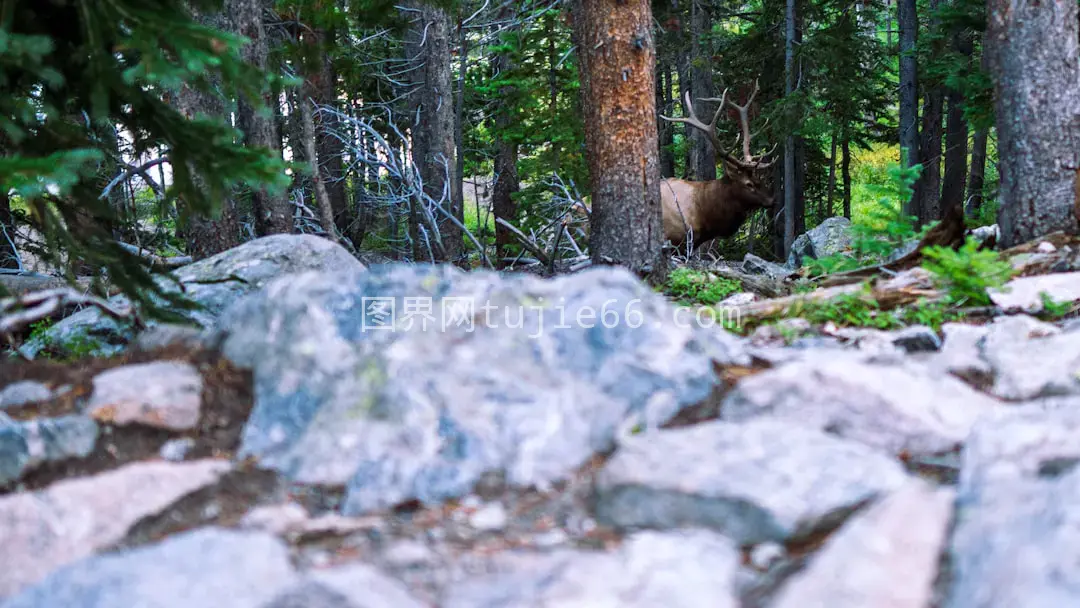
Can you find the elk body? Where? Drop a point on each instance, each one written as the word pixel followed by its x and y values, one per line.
pixel 696 212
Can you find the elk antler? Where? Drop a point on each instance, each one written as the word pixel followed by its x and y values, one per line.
pixel 748 161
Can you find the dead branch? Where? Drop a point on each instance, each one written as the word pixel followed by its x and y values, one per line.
pixel 526 242
pixel 157 261
pixel 18 313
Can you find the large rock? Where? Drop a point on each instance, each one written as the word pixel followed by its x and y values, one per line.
pixel 1017 540
pixel 886 555
pixel 161 394
pixel 207 567
pixel 214 283
pixel 755 482
pixel 830 237
pixel 903 408
pixel 407 412
pixel 1031 359
pixel 1025 294
pixel 348 586
pixel 45 530
pixel 678 569
pixel 27 444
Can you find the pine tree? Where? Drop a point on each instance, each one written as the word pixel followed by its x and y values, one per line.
pixel 70 69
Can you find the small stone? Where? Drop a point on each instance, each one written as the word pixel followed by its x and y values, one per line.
pixel 162 394
pixel 1046 247
pixel 21 393
pixel 490 517
pixel 764 555
pixel 176 450
pixel 551 538
pixel 408 553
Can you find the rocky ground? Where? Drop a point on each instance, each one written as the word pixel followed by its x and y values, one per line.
pixel 577 443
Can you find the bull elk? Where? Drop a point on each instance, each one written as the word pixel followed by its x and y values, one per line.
pixel 700 211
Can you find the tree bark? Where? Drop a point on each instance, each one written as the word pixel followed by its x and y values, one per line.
pixel 978 171
pixel 617 57
pixel 845 171
pixel 330 149
pixel 427 43
pixel 208 236
pixel 1033 57
pixel 790 211
pixel 928 188
pixel 457 186
pixel 666 129
pixel 702 155
pixel 506 176
pixel 907 21
pixel 832 178
pixel 271 210
pixel 9 257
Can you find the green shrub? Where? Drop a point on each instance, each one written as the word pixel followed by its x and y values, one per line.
pixel 966 274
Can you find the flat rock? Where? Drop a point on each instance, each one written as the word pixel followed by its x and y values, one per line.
pixel 677 569
pixel 753 264
pixel 73 519
pixel 762 480
pixel 415 410
pixel 1017 535
pixel 961 353
pixel 899 407
pixel 349 586
pixel 214 283
pixel 161 394
pixel 23 392
pixel 1024 294
pixel 1031 359
pixel 886 555
pixel 25 445
pixel 205 567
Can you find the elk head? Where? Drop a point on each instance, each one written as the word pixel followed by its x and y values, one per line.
pixel 717 208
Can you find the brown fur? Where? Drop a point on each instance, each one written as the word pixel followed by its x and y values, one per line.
pixel 707 210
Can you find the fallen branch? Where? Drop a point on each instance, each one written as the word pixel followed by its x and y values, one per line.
pixel 526 242
pixel 904 289
pixel 157 261
pixel 18 313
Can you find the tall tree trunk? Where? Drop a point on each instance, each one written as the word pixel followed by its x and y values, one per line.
pixel 956 132
pixel 790 199
pixel 688 131
pixel 907 21
pixel 506 176
pixel 1033 56
pixel 330 149
pixel 845 172
pixel 9 256
pixel 271 210
pixel 553 92
pixel 977 174
pixel 208 236
pixel 831 188
pixel 665 128
pixel 427 43
pixel 617 57
pixel 457 186
pixel 928 188
pixel 702 155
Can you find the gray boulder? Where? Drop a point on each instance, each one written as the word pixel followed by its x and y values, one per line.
pixel 897 406
pixel 207 567
pixel 214 283
pixel 1016 540
pixel 678 569
pixel 755 482
pixel 540 376
pixel 828 238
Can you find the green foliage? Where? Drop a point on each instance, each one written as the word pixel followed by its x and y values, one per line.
pixel 1052 309
pixel 885 229
pixel 967 273
pixel 68 70
pixel 689 286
